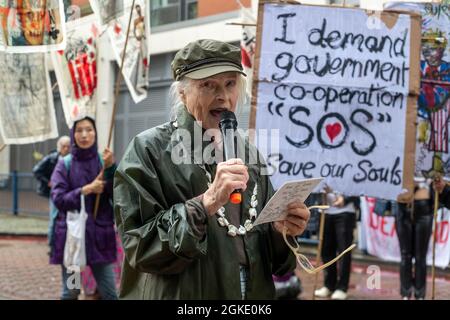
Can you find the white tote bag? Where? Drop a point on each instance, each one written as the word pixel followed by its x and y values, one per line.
pixel 75 248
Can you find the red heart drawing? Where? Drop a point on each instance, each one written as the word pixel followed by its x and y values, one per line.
pixel 333 130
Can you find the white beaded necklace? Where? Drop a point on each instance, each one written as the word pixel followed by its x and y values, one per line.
pixel 233 231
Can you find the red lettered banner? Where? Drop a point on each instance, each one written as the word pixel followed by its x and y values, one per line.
pixel 76 70
pixel 379 237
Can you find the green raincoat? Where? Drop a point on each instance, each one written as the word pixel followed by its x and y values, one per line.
pixel 173 250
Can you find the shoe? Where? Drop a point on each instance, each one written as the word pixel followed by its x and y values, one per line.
pixel 286 290
pixel 323 292
pixel 339 295
pixel 405 298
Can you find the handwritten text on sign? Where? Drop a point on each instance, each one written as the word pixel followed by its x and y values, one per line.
pixel 337 92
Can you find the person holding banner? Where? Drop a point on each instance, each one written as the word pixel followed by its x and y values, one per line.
pixel 182 237
pixel 85 172
pixel 340 221
pixel 414 222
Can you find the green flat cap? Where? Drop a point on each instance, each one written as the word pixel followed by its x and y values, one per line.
pixel 204 58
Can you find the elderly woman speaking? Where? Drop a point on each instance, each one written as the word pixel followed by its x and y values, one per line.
pixel 182 237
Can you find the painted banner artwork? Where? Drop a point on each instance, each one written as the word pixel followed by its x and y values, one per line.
pixel 76 70
pixel 137 58
pixel 31 25
pixel 432 145
pixel 76 9
pixel 2 147
pixel 336 92
pixel 27 113
pixel 248 45
pixel 107 10
pixel 379 237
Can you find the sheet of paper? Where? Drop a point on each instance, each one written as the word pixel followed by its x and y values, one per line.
pixel 276 208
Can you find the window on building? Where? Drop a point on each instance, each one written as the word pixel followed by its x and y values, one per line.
pixel 191 9
pixel 170 11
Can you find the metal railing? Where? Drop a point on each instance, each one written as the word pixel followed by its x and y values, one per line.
pixel 18 195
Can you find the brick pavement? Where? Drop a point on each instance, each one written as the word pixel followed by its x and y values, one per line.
pixel 24 270
pixel 389 284
pixel 26 274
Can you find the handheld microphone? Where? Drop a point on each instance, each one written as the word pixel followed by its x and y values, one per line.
pixel 228 125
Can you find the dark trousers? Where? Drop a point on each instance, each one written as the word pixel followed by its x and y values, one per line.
pixel 338 236
pixel 414 236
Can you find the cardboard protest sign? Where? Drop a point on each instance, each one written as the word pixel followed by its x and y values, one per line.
pixel 31 25
pixel 137 58
pixel 340 94
pixel 432 140
pixel 27 113
pixel 76 70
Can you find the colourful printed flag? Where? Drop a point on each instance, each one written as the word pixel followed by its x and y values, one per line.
pixel 433 116
pixel 32 25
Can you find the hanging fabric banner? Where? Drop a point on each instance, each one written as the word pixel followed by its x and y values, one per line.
pixel 76 70
pixel 433 125
pixel 31 25
pixel 2 144
pixel 248 45
pixel 378 233
pixel 137 58
pixel 107 10
pixel 76 9
pixel 27 113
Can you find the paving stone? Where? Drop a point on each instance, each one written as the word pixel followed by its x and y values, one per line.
pixel 26 274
